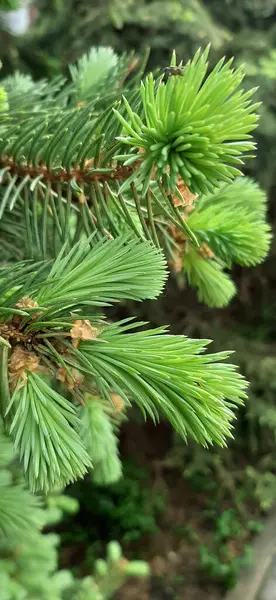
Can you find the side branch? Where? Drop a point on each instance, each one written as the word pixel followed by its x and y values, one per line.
pixel 86 175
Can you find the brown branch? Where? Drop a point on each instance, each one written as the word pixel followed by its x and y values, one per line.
pixel 85 175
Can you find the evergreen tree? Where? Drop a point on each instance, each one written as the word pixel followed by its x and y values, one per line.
pixel 90 192
pixel 102 179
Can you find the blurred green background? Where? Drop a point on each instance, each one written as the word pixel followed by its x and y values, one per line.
pixel 190 512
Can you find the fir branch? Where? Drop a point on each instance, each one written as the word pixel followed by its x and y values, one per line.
pixel 112 270
pixel 243 192
pixel 100 440
pixel 74 150
pixel 214 287
pixel 44 429
pixel 86 175
pixel 233 222
pixel 198 129
pixel 97 276
pixel 237 237
pixel 21 516
pixel 167 374
pixel 61 178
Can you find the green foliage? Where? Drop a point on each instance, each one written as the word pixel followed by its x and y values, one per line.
pixel 3 100
pixel 9 4
pixel 215 287
pixel 94 70
pixel 264 486
pixel 162 373
pixel 267 65
pixel 20 514
pixel 32 573
pixel 89 222
pixel 227 547
pixel 122 24
pixel 62 177
pixel 224 567
pixel 232 223
pixel 223 559
pixel 59 185
pixel 44 432
pixel 241 29
pixel 137 364
pixel 57 506
pixel 111 271
pixel 115 569
pixel 181 19
pixel 3 97
pixel 96 427
pixel 193 128
pixel 63 180
pixel 127 510
pixel 29 558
